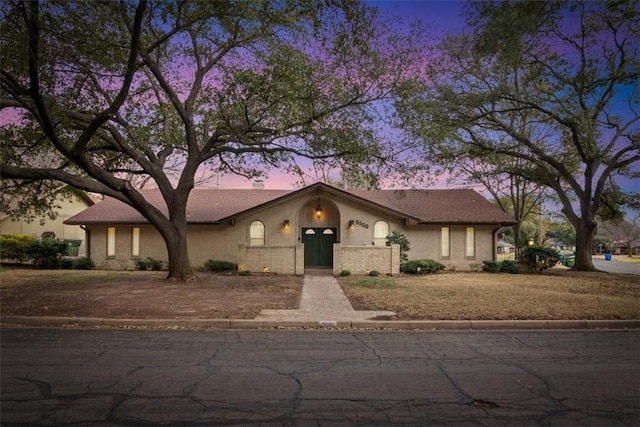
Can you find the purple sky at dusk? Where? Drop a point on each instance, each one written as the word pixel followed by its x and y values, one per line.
pixel 440 15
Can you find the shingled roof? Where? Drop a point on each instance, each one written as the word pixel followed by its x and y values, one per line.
pixel 439 206
pixel 211 206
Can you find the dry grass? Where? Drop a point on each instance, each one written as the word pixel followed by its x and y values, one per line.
pixel 484 296
pixel 456 296
pixel 143 294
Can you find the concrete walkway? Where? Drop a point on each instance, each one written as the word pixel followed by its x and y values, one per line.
pixel 322 301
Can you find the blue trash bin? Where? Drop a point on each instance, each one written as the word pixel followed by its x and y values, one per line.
pixel 607 257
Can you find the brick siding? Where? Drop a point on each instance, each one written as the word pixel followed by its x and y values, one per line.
pixel 362 259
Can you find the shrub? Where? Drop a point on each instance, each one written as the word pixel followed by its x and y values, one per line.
pixel 141 264
pixel 490 266
pixel 344 273
pixel 421 266
pixel 219 266
pixel 46 253
pixel 84 263
pixel 397 238
pixel 65 264
pixel 149 264
pixel 374 273
pixel 539 258
pixel 508 266
pixel 155 264
pixel 13 246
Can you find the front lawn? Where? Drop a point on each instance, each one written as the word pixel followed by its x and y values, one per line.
pixel 143 294
pixel 556 294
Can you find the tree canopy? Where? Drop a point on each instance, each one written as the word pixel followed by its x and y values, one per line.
pixel 553 84
pixel 106 94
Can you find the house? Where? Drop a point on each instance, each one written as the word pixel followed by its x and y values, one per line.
pixel 316 226
pixel 505 251
pixel 73 202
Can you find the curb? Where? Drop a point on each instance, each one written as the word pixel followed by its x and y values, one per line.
pixel 446 325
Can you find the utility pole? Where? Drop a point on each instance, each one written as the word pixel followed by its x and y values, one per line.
pixel 540 228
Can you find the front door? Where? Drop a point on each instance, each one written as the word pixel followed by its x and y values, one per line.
pixel 318 246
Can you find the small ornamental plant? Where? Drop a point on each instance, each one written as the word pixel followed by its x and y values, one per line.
pixel 243 270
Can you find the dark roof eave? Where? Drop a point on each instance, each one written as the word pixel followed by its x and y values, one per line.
pixel 139 222
pixel 499 223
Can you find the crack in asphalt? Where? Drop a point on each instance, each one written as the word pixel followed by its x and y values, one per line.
pixel 451 363
pixel 368 347
pixel 44 388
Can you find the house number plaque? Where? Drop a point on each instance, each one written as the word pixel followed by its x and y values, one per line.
pixel 361 224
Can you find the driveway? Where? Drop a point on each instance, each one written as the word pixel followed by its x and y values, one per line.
pixel 70 377
pixel 614 266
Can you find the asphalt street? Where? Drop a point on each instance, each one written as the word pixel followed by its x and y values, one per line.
pixel 616 267
pixel 121 377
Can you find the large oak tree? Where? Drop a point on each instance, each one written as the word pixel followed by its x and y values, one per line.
pixel 553 84
pixel 99 95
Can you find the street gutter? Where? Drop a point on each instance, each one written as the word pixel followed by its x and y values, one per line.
pixel 478 325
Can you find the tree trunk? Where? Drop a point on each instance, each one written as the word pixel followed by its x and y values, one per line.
pixel 177 249
pixel 516 234
pixel 584 245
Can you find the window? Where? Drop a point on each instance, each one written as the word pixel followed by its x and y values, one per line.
pixel 111 241
pixel 256 234
pixel 380 233
pixel 135 242
pixel 445 245
pixel 471 242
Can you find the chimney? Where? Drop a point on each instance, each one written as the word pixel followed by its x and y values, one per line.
pixel 258 184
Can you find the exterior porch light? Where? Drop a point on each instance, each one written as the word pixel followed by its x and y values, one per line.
pixel 351 225
pixel 530 242
pixel 286 225
pixel 318 210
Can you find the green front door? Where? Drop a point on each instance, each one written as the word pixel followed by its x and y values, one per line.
pixel 318 246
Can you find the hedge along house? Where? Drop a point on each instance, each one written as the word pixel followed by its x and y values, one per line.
pixel 285 231
pixel 64 207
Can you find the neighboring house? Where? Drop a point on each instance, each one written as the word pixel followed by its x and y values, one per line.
pixel 316 226
pixel 505 251
pixel 57 228
pixel 559 246
pixel 505 247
